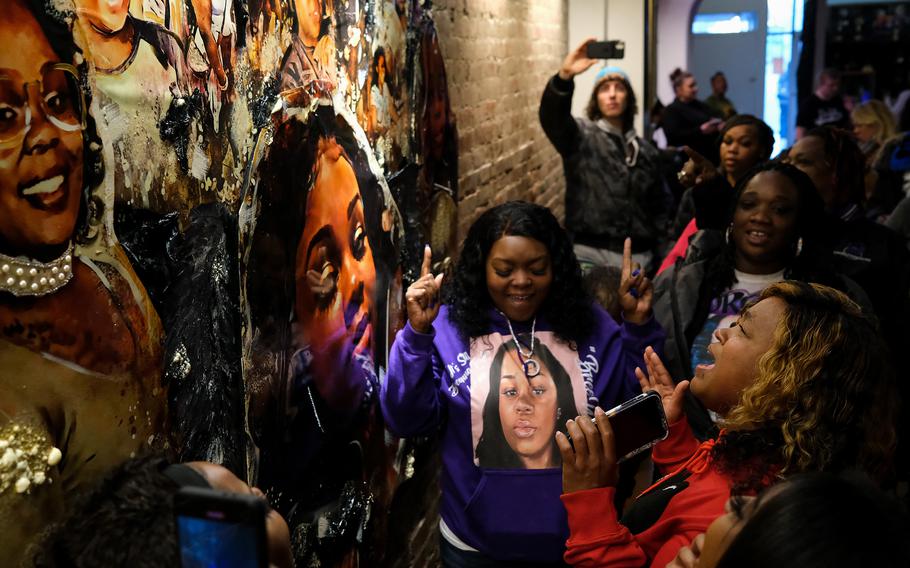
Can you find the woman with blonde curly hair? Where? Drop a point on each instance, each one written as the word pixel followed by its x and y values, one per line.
pixel 801 385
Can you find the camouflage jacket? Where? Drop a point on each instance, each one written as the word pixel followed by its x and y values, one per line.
pixel 613 184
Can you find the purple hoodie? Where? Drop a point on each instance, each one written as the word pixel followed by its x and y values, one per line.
pixel 502 477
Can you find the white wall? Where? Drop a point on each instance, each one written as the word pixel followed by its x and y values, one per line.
pixel 610 20
pixel 674 18
pixel 727 53
pixel 587 18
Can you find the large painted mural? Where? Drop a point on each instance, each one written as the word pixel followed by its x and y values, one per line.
pixel 209 210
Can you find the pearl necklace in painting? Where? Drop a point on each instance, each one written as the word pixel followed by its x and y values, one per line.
pixel 529 365
pixel 22 276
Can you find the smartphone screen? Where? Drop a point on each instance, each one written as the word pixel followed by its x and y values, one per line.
pixel 220 530
pixel 638 424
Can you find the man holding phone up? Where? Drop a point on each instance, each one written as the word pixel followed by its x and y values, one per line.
pixel 614 188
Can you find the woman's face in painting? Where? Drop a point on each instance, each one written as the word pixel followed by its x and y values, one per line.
pixel 309 19
pixel 40 171
pixel 335 270
pixel 527 412
pixel 106 15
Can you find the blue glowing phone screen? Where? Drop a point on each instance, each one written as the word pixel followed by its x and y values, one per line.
pixel 214 544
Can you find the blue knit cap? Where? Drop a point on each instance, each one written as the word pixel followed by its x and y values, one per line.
pixel 611 70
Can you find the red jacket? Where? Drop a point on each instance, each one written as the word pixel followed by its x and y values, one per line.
pixel 666 516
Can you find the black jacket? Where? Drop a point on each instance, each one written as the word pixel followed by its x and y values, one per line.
pixel 680 302
pixel 682 124
pixel 614 187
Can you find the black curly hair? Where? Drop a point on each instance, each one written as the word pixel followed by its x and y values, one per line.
pixel 567 307
pixel 126 519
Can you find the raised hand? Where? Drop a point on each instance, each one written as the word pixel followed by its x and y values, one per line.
pixel 423 296
pixel 592 463
pixel 635 292
pixel 659 380
pixel 577 61
pixel 697 170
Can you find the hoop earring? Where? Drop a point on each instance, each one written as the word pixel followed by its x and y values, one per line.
pixel 799 246
pixel 727 234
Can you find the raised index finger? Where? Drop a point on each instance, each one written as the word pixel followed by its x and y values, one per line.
pixel 626 258
pixel 693 155
pixel 427 260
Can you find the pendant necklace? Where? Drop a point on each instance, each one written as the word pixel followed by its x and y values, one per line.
pixel 529 365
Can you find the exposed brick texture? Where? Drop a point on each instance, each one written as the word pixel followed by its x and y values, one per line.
pixel 499 55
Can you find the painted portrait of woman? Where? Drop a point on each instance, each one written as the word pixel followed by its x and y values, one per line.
pixel 140 76
pixel 522 413
pixel 318 269
pixel 80 344
pixel 308 69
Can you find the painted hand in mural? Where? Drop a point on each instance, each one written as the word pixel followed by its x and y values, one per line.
pixel 577 61
pixel 659 380
pixel 423 296
pixel 635 290
pixel 591 463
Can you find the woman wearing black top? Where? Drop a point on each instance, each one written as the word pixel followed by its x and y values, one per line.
pixel 688 121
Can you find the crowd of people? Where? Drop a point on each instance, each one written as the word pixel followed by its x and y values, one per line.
pixel 764 305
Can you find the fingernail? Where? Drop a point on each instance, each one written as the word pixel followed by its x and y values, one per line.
pixel 634 292
pixel 598 411
pixel 636 272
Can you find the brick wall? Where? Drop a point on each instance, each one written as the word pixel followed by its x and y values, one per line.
pixel 499 55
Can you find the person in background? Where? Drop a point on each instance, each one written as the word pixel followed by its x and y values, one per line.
pixel 718 99
pixel 891 169
pixel 812 520
pixel 688 121
pixel 614 187
pixel 773 233
pixel 824 107
pixel 802 386
pixel 516 281
pixel 745 142
pixel 128 518
pixel 873 125
pixel 602 284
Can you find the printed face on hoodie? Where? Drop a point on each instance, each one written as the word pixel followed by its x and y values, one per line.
pixel 527 411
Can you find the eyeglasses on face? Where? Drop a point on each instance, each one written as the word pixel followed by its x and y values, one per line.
pixel 59 96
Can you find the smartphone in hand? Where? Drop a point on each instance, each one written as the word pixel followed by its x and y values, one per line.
pixel 638 424
pixel 216 529
pixel 615 49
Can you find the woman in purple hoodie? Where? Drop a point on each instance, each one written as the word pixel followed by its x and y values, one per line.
pixel 515 351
